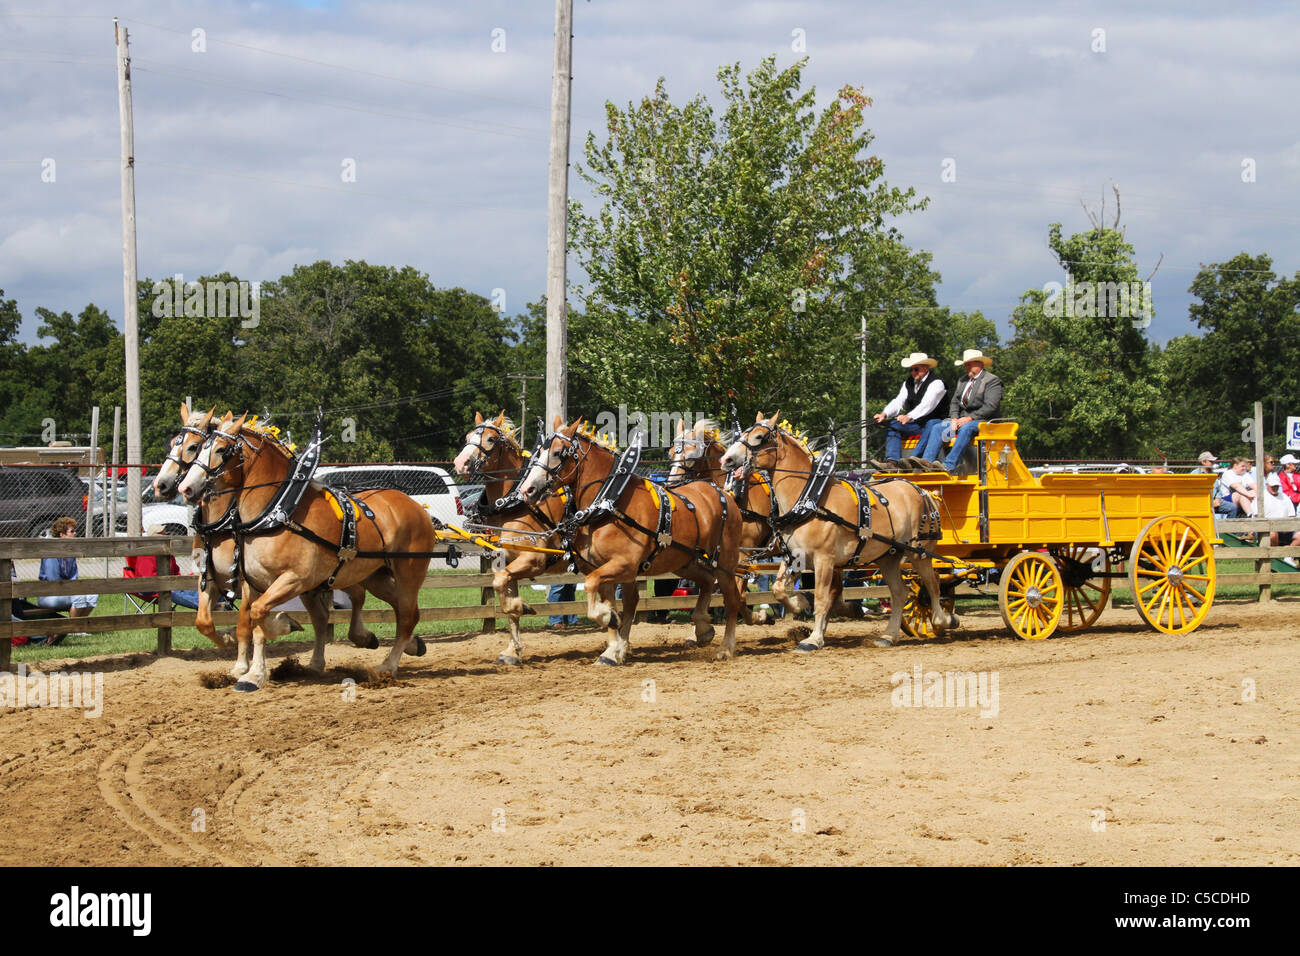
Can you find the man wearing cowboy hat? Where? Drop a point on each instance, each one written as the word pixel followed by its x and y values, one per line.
pixel 975 398
pixel 916 405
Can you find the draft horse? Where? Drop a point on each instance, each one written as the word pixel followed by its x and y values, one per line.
pixel 696 453
pixel 491 452
pixel 645 529
pixel 309 551
pixel 901 518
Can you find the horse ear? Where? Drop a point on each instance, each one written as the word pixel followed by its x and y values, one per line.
pixel 758 418
pixel 501 417
pixel 206 420
pixel 240 424
pixel 557 424
pixel 577 423
pixel 185 414
pixel 227 417
pixel 776 417
pixel 681 426
pixel 478 418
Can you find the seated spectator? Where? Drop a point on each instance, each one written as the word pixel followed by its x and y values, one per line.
pixel 63 569
pixel 1278 505
pixel 146 566
pixel 1290 478
pixel 1241 486
pixel 1205 464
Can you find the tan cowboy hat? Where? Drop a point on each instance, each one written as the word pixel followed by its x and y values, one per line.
pixel 974 355
pixel 919 358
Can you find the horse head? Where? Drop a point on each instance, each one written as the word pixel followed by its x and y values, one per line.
pixel 756 447
pixel 219 457
pixel 195 428
pixel 556 463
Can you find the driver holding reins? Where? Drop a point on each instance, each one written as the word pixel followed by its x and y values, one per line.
pixel 917 403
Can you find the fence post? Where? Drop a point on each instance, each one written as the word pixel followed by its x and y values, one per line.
pixel 6 644
pixel 165 633
pixel 486 595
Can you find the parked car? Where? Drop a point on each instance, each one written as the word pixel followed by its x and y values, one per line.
pixel 31 498
pixel 175 516
pixel 429 485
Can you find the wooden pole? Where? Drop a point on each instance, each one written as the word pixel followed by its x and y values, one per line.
pixel 94 455
pixel 1261 489
pixel 557 219
pixel 864 387
pixel 130 298
pixel 112 499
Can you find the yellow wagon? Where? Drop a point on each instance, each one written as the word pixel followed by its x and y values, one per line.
pixel 1051 542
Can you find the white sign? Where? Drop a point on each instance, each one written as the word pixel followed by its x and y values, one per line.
pixel 1293 432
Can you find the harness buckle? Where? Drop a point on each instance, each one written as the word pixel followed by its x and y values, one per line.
pixel 347 554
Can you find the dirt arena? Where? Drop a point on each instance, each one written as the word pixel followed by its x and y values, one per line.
pixel 1119 746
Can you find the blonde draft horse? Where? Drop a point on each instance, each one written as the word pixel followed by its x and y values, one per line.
pixel 617 550
pixel 251 466
pixel 697 453
pixel 492 452
pixel 196 426
pixel 826 546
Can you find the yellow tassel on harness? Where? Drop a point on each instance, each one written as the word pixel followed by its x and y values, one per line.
pixel 654 494
pixel 338 509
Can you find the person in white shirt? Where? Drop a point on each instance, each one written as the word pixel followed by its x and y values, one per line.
pixel 917 403
pixel 1242 486
pixel 1278 505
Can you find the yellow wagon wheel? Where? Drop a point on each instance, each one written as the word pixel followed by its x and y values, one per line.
pixel 1171 572
pixel 916 611
pixel 1085 595
pixel 1031 595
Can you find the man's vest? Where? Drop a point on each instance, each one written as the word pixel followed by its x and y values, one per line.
pixel 915 391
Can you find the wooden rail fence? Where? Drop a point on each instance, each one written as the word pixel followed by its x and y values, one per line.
pixel 165 618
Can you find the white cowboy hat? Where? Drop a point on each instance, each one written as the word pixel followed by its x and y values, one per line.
pixel 919 358
pixel 1289 460
pixel 974 355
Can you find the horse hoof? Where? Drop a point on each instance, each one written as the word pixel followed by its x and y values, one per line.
pixel 245 687
pixel 508 659
pixel 691 643
pixel 416 647
pixel 372 643
pixel 527 609
pixel 722 656
pixel 883 642
pixel 806 647
pixel 606 662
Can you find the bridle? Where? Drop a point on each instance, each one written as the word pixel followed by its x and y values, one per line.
pixel 235 447
pixel 572 451
pixel 476 464
pixel 179 441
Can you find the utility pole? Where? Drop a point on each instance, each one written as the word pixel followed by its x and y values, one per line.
pixel 130 296
pixel 557 228
pixel 523 400
pixel 862 337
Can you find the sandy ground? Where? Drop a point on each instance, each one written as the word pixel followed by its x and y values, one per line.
pixel 1118 746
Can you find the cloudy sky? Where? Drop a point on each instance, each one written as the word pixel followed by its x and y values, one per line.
pixel 240 148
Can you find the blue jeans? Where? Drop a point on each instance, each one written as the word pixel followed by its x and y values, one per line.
pixel 188 599
pixel 895 432
pixel 63 602
pixel 931 440
pixel 562 592
pixel 961 443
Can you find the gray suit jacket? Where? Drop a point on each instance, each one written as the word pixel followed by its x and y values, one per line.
pixel 984 401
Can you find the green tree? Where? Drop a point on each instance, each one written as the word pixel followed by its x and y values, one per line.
pixel 730 250
pixel 1249 351
pixel 1079 368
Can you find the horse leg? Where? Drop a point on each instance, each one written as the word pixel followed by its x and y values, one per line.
pixel 243 631
pixel 319 605
pixel 267 623
pixel 941 619
pixel 705 580
pixel 203 618
pixel 407 577
pixel 891 568
pixel 358 633
pixel 600 606
pixel 385 586
pixel 631 597
pixel 824 572
pixel 734 601
pixel 506 585
pixel 783 590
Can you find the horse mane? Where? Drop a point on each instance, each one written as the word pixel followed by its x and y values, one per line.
pixel 709 429
pixel 272 434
